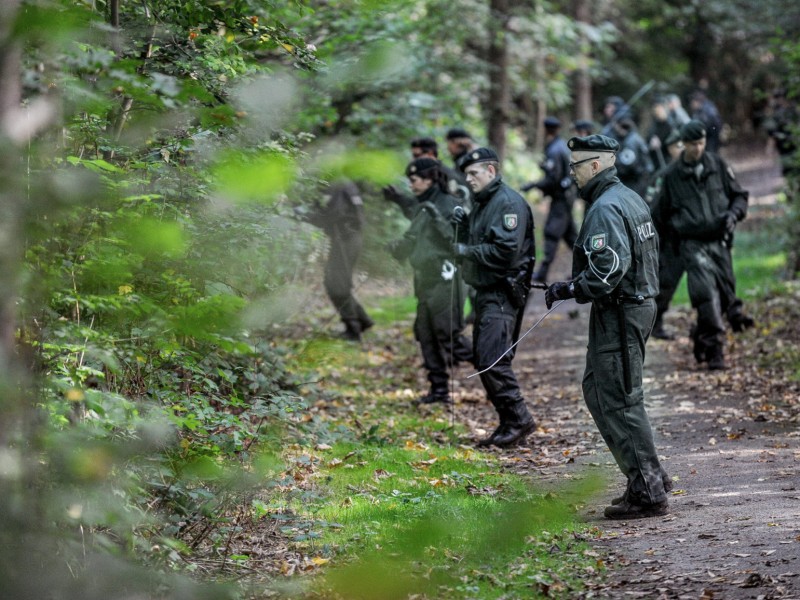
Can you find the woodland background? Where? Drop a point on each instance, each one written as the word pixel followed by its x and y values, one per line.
pixel 152 156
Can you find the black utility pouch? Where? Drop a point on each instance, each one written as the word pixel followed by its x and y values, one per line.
pixel 517 292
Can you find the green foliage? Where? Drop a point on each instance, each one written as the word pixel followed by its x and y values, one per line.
pixel 444 519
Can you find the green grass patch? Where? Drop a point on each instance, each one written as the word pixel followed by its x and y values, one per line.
pixel 393 309
pixel 445 522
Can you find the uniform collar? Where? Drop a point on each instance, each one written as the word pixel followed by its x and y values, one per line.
pixel 599 184
pixel 687 169
pixel 427 195
pixel 486 193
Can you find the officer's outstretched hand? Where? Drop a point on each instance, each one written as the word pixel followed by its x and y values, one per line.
pixel 728 222
pixel 557 291
pixel 459 216
pixel 390 193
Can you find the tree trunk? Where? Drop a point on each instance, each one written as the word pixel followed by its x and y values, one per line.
pixel 497 108
pixel 583 81
pixel 698 53
pixel 10 100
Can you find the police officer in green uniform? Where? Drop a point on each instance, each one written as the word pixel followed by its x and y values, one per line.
pixel 437 282
pixel 496 249
pixel 341 217
pixel 615 267
pixel 702 202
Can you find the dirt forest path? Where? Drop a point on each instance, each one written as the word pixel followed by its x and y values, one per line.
pixel 728 439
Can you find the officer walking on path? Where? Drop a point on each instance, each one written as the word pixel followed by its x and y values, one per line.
pixel 615 267
pixel 437 282
pixel 496 248
pixel 670 263
pixel 341 217
pixel 557 184
pixel 702 202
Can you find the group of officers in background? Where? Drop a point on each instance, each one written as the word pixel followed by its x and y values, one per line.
pixel 643 228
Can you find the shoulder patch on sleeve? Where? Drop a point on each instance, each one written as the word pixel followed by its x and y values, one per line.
pixel 598 242
pixel 510 221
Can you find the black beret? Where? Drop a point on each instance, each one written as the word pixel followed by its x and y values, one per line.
pixel 426 143
pixel 583 124
pixel 420 165
pixel 673 138
pixel 478 155
pixel 552 123
pixel 593 143
pixel 456 133
pixel 693 131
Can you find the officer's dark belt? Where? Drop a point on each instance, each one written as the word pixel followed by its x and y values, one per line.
pixel 610 301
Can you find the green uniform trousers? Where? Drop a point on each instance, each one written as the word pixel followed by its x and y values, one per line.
pixel 621 417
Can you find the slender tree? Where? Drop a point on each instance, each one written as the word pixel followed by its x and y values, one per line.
pixel 497 104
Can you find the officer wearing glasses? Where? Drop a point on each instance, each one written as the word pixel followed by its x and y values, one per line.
pixel 615 267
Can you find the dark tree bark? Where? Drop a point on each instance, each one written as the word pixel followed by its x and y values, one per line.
pixel 497 106
pixel 698 52
pixel 583 81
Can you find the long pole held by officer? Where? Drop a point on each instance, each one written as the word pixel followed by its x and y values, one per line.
pixel 615 267
pixel 495 247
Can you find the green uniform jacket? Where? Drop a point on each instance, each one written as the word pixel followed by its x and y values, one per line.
pixel 617 246
pixel 500 241
pixel 428 242
pixel 694 198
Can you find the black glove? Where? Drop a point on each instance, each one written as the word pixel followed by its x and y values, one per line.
pixel 391 194
pixel 558 291
pixel 459 216
pixel 528 187
pixel 460 250
pixel 728 223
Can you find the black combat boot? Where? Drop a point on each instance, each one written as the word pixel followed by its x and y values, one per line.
pixel 629 510
pixel 352 331
pixel 665 479
pixel 520 424
pixel 363 319
pixel 436 395
pixel 488 441
pixel 699 348
pixel 716 358
pixel 740 321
